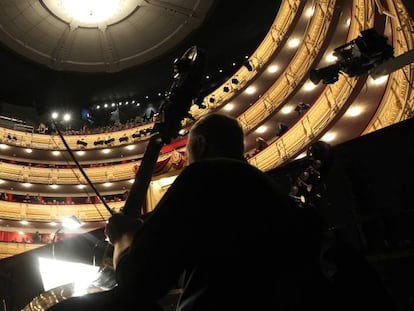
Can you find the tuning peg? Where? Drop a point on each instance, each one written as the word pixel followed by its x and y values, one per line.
pixel 304 175
pixel 299 199
pixel 317 163
pixel 303 183
pixel 293 191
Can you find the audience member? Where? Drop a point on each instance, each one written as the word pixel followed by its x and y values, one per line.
pixel 260 144
pixel 302 107
pixel 37 238
pixel 283 128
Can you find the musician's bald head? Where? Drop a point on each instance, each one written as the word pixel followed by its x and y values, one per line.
pixel 215 135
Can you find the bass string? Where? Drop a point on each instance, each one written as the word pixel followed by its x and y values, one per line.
pixel 79 166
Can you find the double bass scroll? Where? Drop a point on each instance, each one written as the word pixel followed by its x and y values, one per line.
pixel 187 81
pixel 186 85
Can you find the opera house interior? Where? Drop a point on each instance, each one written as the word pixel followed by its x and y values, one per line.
pixel 83 87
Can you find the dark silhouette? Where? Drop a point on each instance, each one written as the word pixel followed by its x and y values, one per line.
pixel 37 238
pixel 228 234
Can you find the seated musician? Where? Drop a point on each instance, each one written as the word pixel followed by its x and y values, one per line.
pixel 223 228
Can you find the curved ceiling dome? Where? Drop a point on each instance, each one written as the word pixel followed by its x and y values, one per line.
pixel 136 32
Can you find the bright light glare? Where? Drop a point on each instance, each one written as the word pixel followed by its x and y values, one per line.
pixel 229 107
pixel 287 109
pixel 66 117
pixel 91 11
pixel 328 137
pixel 293 43
pixel 309 86
pixel 251 90
pixel 273 69
pixel 71 222
pixel 380 80
pixel 56 273
pixel 261 129
pixel 331 58
pixel 354 111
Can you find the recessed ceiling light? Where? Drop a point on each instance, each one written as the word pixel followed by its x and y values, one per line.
pixel 354 111
pixel 309 86
pixel 328 137
pixel 250 90
pixel 90 11
pixel 379 80
pixel 261 129
pixel 293 43
pixel 310 11
pixel 331 58
pixel 273 68
pixel 229 107
pixel 287 109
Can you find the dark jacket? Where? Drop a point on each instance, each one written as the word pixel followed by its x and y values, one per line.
pixel 236 242
pixel 227 227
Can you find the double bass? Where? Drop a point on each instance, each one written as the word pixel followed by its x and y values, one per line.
pixel 184 92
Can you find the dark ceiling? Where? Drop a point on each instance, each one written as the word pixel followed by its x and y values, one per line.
pixel 229 33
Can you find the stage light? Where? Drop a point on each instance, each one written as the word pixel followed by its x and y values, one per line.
pixel 109 141
pixel 234 81
pixel 56 273
pixel 82 143
pixel 226 89
pixel 71 222
pixel 328 75
pixel 123 139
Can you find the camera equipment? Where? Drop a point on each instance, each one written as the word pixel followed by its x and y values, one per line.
pixel 355 58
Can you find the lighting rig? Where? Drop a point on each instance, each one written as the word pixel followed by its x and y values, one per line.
pixel 357 57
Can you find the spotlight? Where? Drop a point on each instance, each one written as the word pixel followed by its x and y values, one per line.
pixel 123 139
pixel 226 89
pixel 98 142
pixel 109 141
pixel 211 100
pixel 82 143
pixel 136 135
pixel 234 81
pixel 328 75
